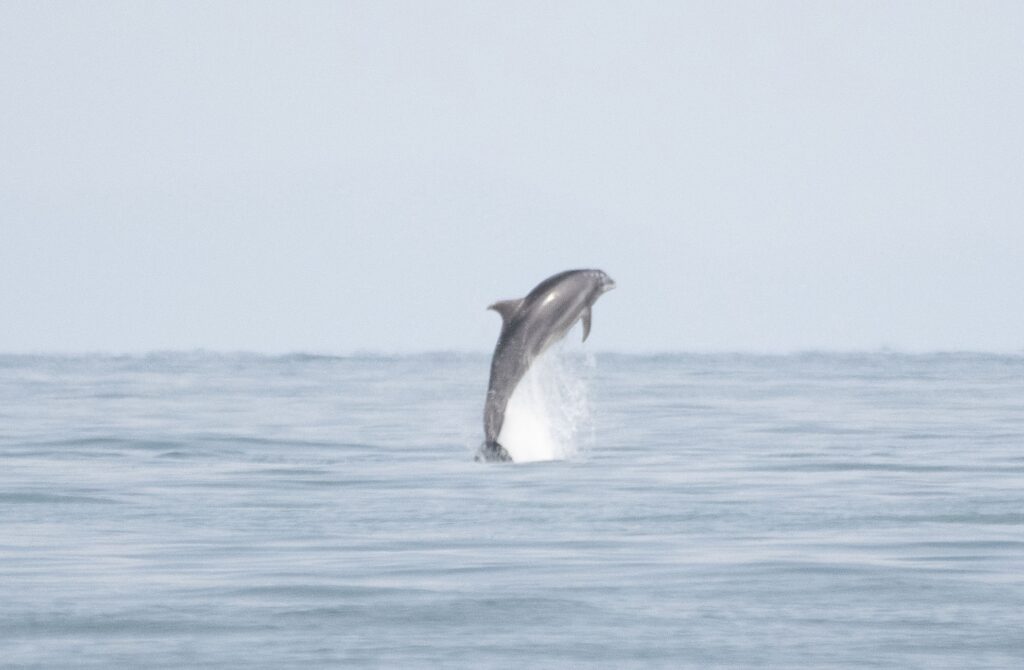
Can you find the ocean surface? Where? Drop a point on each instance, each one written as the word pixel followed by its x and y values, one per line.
pixel 703 511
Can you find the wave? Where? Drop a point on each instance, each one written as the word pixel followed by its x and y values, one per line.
pixel 549 411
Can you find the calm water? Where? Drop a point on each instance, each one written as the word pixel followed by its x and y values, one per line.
pixel 811 511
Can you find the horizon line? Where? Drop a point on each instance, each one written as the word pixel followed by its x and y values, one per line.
pixel 384 353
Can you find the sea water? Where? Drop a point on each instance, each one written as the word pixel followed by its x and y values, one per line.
pixel 548 416
pixel 700 511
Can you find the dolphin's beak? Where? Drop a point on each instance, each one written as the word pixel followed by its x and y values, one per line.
pixel 607 284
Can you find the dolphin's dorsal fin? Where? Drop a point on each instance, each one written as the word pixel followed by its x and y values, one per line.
pixel 586 323
pixel 507 309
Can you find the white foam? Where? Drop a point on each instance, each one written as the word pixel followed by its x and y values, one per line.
pixel 549 412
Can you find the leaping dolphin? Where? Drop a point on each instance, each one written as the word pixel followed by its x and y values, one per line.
pixel 529 326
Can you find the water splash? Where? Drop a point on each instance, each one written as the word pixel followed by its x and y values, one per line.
pixel 548 416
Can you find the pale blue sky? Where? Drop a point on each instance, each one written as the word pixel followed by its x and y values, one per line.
pixel 332 177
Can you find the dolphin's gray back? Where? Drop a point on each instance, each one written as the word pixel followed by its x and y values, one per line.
pixel 510 362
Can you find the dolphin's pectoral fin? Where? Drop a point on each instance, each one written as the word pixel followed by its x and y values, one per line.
pixel 507 308
pixel 491 452
pixel 586 323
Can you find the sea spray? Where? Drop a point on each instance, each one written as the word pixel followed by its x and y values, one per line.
pixel 548 416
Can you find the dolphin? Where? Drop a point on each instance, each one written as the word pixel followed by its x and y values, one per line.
pixel 529 326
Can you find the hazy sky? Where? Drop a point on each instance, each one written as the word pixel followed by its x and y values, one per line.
pixel 340 176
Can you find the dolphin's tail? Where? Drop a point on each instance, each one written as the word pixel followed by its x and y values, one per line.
pixel 491 452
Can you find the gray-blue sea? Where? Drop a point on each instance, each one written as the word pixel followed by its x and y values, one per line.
pixel 181 510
